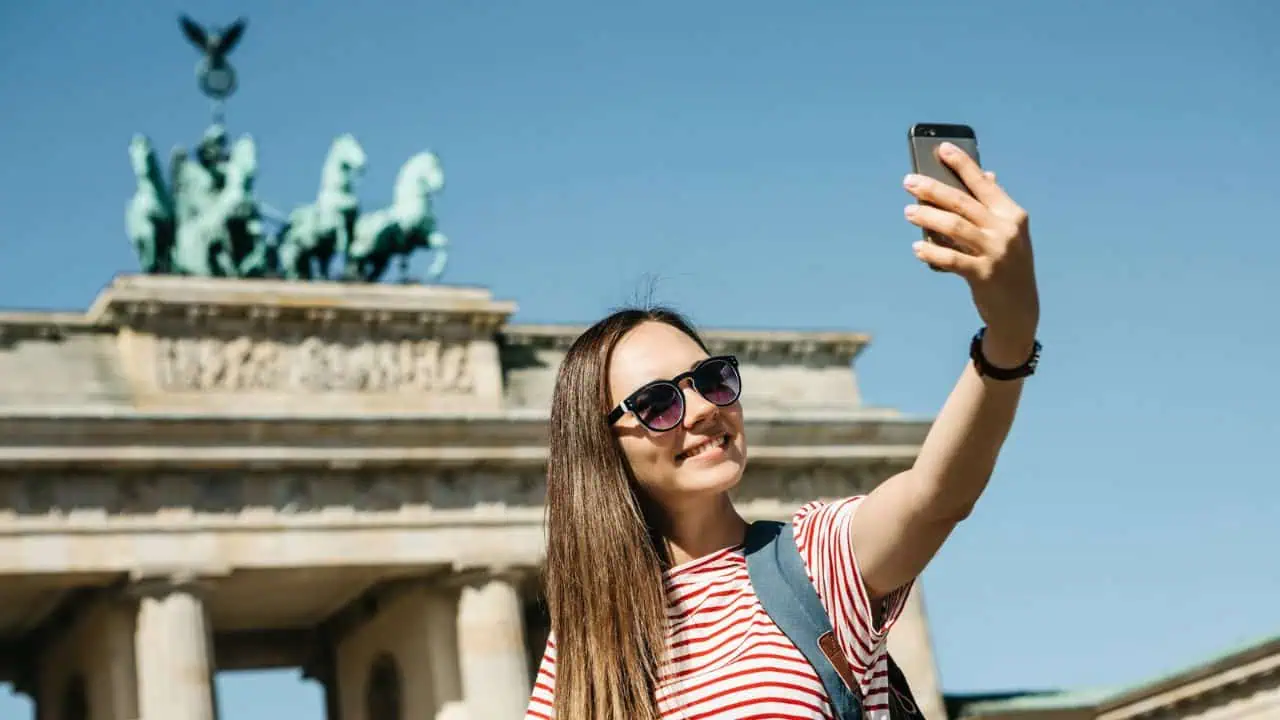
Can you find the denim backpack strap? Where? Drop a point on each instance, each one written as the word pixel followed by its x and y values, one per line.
pixel 780 580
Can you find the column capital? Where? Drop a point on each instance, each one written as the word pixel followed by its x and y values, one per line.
pixel 159 582
pixel 477 574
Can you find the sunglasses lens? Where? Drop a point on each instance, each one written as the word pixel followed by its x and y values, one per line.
pixel 659 406
pixel 718 381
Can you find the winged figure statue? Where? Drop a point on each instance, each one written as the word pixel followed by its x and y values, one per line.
pixel 216 76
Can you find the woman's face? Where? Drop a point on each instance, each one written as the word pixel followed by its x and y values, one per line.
pixel 706 453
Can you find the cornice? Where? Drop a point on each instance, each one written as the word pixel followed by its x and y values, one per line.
pixel 134 300
pixel 190 503
pixel 510 439
pixel 285 458
pixel 838 347
pixel 498 427
pixel 46 326
pixel 147 302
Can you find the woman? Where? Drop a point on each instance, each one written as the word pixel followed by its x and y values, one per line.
pixel 652 612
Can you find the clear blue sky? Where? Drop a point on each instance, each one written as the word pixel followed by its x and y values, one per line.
pixel 750 155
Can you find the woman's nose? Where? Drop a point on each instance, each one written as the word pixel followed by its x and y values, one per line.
pixel 697 408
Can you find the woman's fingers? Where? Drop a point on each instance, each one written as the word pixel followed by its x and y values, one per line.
pixel 984 188
pixel 946 197
pixel 956 228
pixel 950 260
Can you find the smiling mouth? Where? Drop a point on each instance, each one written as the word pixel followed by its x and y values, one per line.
pixel 714 443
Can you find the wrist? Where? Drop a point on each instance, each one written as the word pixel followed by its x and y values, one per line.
pixel 1007 350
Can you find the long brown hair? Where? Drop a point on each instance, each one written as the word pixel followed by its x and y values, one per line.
pixel 605 555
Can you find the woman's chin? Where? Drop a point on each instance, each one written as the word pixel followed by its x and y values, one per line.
pixel 711 475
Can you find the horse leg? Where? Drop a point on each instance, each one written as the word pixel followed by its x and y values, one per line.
pixel 292 259
pixel 351 269
pixel 437 265
pixel 373 267
pixel 216 261
pixel 164 245
pixel 144 246
pixel 299 265
pixel 324 257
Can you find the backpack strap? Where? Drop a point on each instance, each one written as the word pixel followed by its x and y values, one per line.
pixel 780 580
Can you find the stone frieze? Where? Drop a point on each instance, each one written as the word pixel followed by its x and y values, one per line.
pixel 311 364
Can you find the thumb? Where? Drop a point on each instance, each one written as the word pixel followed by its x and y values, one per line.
pixel 946 259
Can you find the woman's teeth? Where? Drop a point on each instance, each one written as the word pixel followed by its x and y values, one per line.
pixel 708 445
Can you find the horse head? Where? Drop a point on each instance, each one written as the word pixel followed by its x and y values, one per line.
pixel 344 163
pixel 420 177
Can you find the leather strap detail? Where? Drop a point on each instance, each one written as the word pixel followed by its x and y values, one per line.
pixel 831 648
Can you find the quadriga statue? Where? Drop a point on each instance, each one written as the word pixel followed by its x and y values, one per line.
pixel 407 225
pixel 313 234
pixel 208 222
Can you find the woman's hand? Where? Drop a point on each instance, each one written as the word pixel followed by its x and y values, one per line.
pixel 992 252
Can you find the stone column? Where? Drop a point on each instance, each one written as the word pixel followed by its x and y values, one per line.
pixel 174 652
pixel 442 650
pixel 116 664
pixel 85 660
pixel 491 651
pixel 415 624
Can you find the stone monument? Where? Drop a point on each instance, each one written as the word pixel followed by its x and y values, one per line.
pixel 231 462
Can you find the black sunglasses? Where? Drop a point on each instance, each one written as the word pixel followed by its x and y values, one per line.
pixel 659 405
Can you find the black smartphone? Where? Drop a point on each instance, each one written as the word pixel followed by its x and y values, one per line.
pixel 923 140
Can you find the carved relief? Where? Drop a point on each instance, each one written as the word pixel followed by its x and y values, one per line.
pixel 312 365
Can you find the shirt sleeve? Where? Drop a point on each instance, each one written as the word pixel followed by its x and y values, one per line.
pixel 822 531
pixel 542 701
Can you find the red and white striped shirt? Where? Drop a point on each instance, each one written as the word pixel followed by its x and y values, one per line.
pixel 727 660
